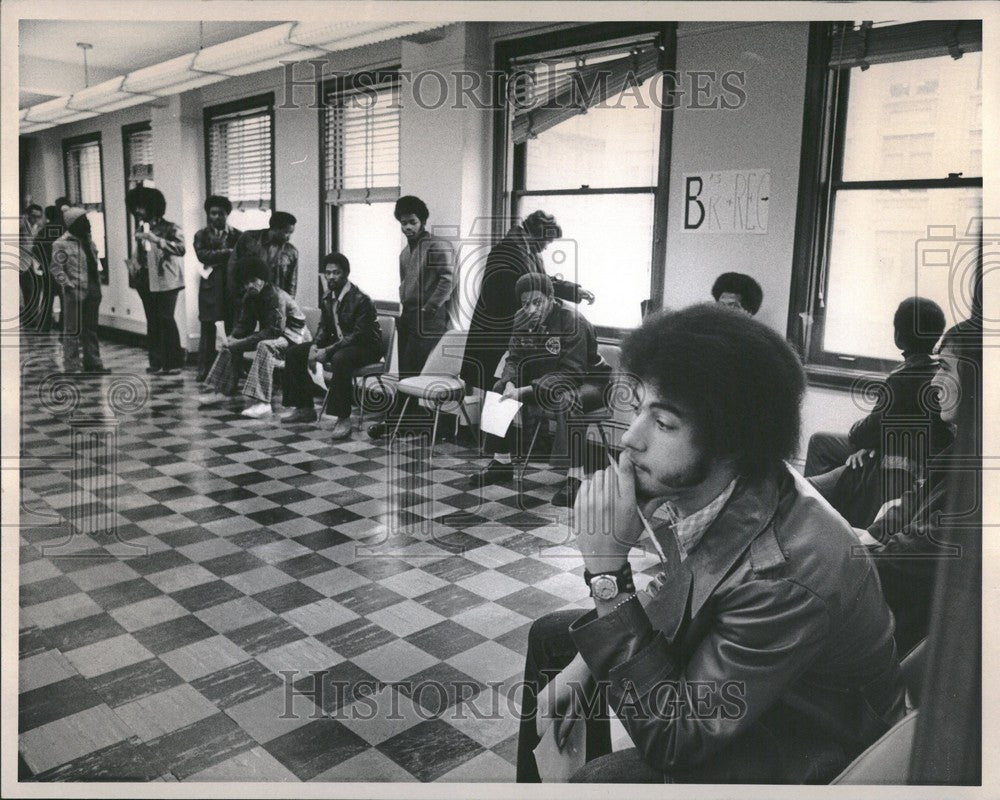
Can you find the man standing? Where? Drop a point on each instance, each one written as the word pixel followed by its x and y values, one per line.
pixel 30 271
pixel 762 652
pixel 426 275
pixel 213 245
pixel 271 244
pixel 348 338
pixel 76 268
pixel 426 283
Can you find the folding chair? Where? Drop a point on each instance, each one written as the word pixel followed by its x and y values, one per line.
pixel 439 382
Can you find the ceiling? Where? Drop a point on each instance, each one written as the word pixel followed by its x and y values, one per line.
pixel 51 65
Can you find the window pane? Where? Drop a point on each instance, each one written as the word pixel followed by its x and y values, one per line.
pixel 371 240
pixel 915 119
pixel 607 249
pixel 877 259
pixel 250 219
pixel 97 234
pixel 604 148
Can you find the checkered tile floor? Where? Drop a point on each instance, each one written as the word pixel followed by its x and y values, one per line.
pixel 252 601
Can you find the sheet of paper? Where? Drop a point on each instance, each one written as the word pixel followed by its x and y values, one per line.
pixel 497 416
pixel 317 376
pixel 555 765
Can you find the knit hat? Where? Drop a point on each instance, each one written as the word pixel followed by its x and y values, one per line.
pixel 72 214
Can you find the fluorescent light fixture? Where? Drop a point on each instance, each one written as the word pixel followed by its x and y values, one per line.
pixel 169 77
pixel 254 53
pixel 28 127
pixel 107 96
pixel 77 116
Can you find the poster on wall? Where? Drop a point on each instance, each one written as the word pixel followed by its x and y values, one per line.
pixel 727 201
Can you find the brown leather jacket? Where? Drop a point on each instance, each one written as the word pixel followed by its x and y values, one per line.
pixel 779 613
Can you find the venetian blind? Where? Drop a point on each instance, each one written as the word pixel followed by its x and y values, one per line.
pixel 140 157
pixel 83 176
pixel 548 89
pixel 862 45
pixel 361 145
pixel 239 154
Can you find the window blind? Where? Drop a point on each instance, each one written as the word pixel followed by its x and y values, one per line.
pixel 83 176
pixel 140 157
pixel 239 154
pixel 547 90
pixel 862 45
pixel 361 146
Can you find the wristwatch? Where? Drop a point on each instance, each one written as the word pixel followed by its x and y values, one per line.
pixel 608 585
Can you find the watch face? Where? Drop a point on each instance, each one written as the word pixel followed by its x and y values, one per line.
pixel 603 587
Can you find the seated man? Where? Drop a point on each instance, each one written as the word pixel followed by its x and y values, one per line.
pixel 348 338
pixel 552 365
pixel 762 652
pixel 739 291
pixel 906 539
pixel 270 322
pixel 889 447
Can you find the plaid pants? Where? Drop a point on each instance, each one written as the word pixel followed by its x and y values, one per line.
pixel 225 373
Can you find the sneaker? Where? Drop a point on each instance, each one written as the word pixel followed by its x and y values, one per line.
pixel 495 472
pixel 211 398
pixel 343 429
pixel 257 410
pixel 566 496
pixel 299 415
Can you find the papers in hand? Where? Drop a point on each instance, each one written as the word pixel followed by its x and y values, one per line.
pixel 555 765
pixel 497 416
pixel 317 375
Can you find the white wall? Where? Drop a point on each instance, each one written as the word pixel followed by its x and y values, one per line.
pixel 765 133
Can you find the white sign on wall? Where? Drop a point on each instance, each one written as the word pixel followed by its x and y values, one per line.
pixel 729 201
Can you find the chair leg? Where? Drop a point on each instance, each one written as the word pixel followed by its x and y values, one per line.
pixel 406 404
pixel 531 447
pixel 364 387
pixel 604 439
pixel 468 421
pixel 434 432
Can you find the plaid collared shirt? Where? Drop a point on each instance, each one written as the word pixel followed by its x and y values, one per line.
pixel 690 529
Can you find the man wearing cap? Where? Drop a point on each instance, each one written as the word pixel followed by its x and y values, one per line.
pixel 76 267
pixel 553 366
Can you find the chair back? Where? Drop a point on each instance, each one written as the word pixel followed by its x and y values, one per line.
pixel 387 325
pixel 446 358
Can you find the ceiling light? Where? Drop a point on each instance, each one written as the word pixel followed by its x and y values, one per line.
pixel 254 53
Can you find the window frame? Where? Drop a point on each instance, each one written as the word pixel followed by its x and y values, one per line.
pixel 509 160
pixel 68 144
pixel 820 179
pixel 210 113
pixel 329 228
pixel 127 131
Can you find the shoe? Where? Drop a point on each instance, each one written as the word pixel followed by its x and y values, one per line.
pixel 566 496
pixel 172 371
pixel 211 399
pixel 343 429
pixel 257 410
pixel 199 378
pixel 378 430
pixel 299 415
pixel 495 472
pixel 153 370
pixel 102 370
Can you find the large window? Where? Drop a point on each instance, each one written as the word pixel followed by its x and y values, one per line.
pixel 137 145
pixel 239 148
pixel 587 134
pixel 83 171
pixel 360 142
pixel 903 126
